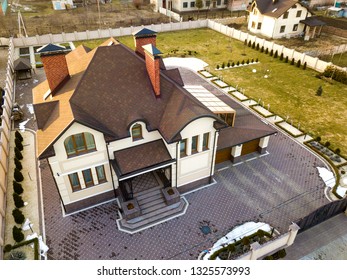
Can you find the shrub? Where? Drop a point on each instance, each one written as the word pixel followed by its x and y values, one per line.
pixel 18 164
pixel 19 144
pixel 269 258
pixel 266 51
pixel 18 216
pixel 249 43
pixel 247 61
pixel 327 144
pixel 337 151
pixel 319 91
pixel 281 56
pixel 262 49
pixel 17 187
pixel 252 60
pixel 228 64
pixel 233 64
pixel 243 62
pixel 223 65
pixel 238 63
pixel 336 74
pixel 18 154
pixel 253 45
pixel 18 176
pixel 304 66
pixel 276 54
pixel 7 248
pixel 282 253
pixel 271 53
pixel 256 60
pixel 257 48
pixel 217 66
pixel 231 247
pixel 246 241
pixel 18 201
pixel 17 233
pixel 292 62
pixel 286 60
pixel 298 63
pixel 318 138
pixel 18 135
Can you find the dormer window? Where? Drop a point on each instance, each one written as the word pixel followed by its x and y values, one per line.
pixel 79 144
pixel 136 132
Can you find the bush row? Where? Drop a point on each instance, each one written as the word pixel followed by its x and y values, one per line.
pixel 238 63
pixel 17 214
pixel 275 54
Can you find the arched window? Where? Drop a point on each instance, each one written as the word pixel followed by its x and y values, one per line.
pixel 79 144
pixel 136 132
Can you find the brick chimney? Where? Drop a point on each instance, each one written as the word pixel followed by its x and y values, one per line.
pixel 144 37
pixel 153 66
pixel 55 66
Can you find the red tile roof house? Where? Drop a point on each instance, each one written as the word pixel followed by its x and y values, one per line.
pixel 114 123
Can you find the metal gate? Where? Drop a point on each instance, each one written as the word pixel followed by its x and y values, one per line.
pixel 321 214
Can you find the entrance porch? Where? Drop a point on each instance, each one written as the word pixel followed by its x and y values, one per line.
pixel 147 192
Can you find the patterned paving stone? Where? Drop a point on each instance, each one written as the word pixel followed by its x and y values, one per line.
pixel 278 188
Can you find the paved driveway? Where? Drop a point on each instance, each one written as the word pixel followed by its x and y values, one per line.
pixel 277 188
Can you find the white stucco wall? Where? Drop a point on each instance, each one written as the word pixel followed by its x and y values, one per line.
pixel 271 26
pixel 62 166
pixel 196 166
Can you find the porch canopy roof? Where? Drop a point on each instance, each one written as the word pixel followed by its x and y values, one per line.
pixel 140 159
pixel 313 21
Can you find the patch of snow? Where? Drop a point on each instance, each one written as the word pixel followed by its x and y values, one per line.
pixel 191 63
pixel 327 176
pixel 341 191
pixel 30 108
pixel 237 234
pixel 27 225
pixel 35 81
pixel 22 125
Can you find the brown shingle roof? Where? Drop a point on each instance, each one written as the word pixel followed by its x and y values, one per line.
pixel 109 89
pixel 141 157
pixel 44 110
pixel 274 8
pixel 21 64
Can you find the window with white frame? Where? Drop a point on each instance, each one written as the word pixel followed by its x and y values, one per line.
pixel 80 143
pixel 185 4
pixel 298 13
pixel 295 27
pixel 283 28
pixel 88 177
pixel 74 182
pixel 205 141
pixel 192 4
pixel 100 173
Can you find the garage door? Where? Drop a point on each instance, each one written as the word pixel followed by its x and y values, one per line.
pixel 223 155
pixel 250 147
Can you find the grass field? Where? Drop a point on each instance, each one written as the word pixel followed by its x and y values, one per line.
pixel 289 90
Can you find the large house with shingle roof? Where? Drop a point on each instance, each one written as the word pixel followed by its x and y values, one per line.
pixel 277 18
pixel 114 123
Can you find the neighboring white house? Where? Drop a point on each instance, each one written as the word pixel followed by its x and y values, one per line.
pixel 114 123
pixel 190 5
pixel 277 18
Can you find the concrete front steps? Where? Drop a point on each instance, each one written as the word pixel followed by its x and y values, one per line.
pixel 154 211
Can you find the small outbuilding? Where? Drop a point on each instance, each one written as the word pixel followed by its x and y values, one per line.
pixel 23 68
pixel 311 25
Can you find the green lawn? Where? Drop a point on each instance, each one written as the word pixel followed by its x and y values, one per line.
pixel 290 91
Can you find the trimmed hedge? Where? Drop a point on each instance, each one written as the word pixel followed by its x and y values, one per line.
pixel 17 187
pixel 18 216
pixel 17 233
pixel 18 164
pixel 18 176
pixel 18 135
pixel 18 201
pixel 19 144
pixel 18 153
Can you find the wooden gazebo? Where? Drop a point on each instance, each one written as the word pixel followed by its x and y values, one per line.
pixel 23 68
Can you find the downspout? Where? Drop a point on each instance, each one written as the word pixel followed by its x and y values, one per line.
pixel 177 164
pixel 108 155
pixel 213 153
pixel 55 183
